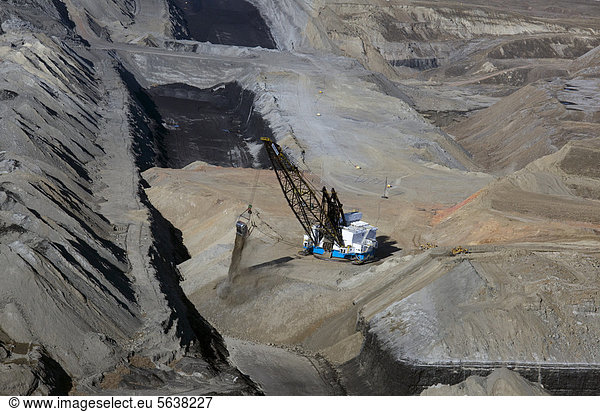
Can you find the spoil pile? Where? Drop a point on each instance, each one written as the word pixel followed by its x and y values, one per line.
pixel 501 382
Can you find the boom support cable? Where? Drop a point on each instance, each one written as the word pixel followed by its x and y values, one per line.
pixel 326 215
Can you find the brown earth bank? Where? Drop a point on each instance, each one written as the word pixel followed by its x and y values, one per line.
pixel 320 308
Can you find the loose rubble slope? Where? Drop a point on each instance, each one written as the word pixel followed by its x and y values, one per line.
pixel 89 278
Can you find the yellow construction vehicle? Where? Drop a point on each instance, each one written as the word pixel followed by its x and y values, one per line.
pixel 459 250
pixel 428 245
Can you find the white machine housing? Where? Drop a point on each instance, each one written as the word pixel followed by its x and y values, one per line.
pixel 360 239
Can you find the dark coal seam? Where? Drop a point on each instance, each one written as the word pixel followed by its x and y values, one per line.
pixel 403 377
pixel 168 250
pixel 262 28
pixel 237 104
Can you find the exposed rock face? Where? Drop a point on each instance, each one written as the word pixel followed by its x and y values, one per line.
pixel 424 315
pixel 424 35
pixel 216 125
pixel 89 276
pixel 535 121
pixel 36 16
pixel 475 318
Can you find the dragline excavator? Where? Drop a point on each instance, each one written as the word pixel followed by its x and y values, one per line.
pixel 328 231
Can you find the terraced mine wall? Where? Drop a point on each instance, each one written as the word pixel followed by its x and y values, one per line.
pixel 376 372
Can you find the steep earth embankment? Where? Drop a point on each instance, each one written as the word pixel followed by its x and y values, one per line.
pixel 452 58
pixel 535 121
pixel 90 298
pixel 216 125
pixel 525 297
pixel 128 21
pixel 486 312
pixel 587 65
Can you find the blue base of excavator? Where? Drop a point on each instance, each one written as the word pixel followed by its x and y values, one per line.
pixel 361 257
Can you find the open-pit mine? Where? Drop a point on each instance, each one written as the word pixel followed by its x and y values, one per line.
pixel 168 223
